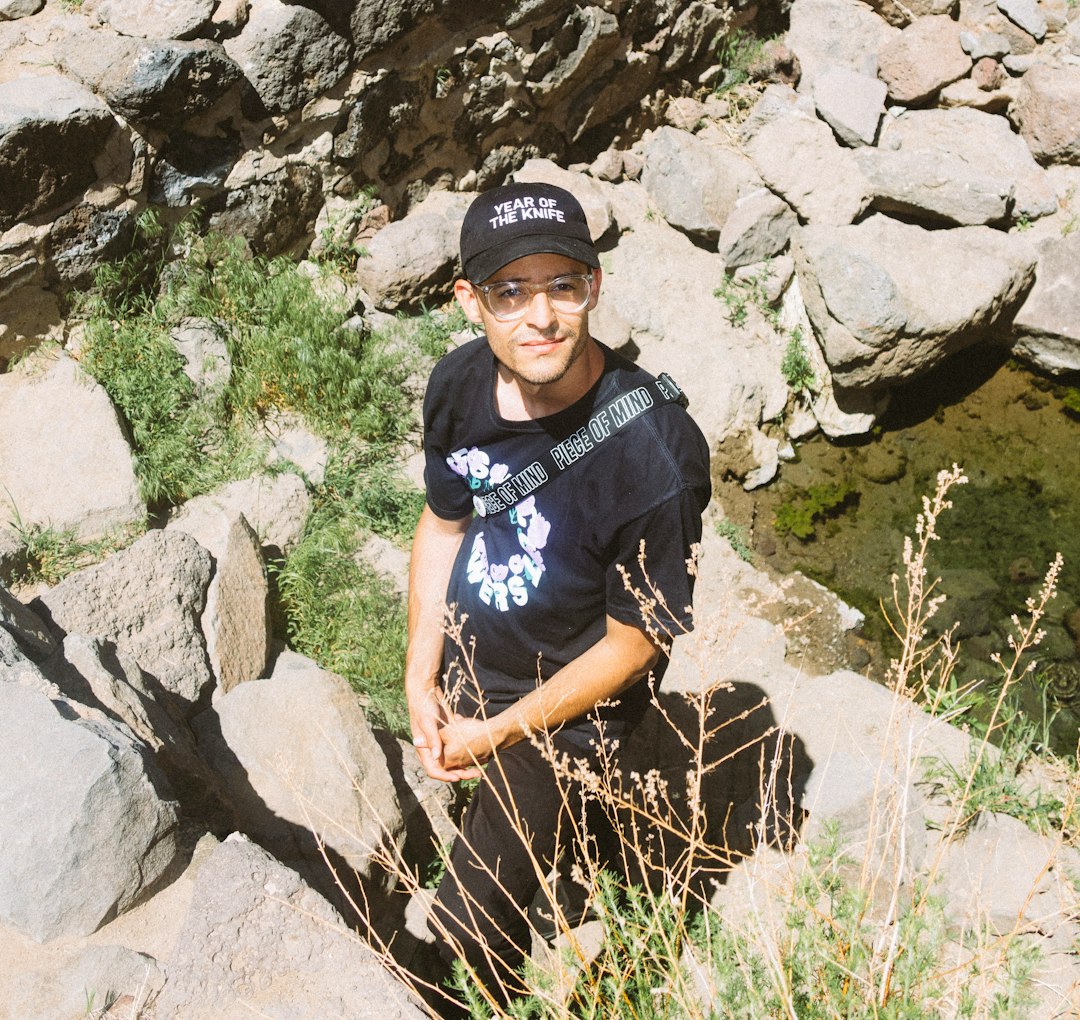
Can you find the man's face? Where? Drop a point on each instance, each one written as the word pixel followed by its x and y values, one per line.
pixel 544 345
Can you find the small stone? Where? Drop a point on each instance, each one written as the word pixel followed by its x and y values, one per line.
pixel 987 74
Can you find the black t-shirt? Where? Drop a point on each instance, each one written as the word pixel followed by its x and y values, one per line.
pixel 534 584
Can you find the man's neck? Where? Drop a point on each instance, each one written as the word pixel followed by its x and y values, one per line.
pixel 519 400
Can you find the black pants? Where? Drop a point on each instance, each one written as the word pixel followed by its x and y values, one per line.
pixel 520 819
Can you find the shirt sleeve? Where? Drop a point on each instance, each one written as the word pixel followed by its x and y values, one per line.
pixel 650 582
pixel 447 493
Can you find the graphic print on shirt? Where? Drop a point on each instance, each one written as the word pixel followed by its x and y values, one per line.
pixel 503 584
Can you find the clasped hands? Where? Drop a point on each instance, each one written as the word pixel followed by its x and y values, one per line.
pixel 451 747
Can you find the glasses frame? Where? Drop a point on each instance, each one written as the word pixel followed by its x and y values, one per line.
pixel 533 289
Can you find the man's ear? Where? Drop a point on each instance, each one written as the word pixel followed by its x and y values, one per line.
pixel 597 276
pixel 466 297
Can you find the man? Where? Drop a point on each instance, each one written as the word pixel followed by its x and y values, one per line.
pixel 573 461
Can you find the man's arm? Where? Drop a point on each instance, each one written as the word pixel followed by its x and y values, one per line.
pixel 621 657
pixel 435 547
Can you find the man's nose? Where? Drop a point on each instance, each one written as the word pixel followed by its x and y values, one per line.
pixel 540 313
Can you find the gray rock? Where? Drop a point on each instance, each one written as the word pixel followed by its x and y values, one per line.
pixel 50 131
pixel 31 635
pixel 295 445
pixel 12 10
pixel 924 58
pixel 852 104
pixel 148 600
pixel 758 228
pixel 1047 327
pixel 693 183
pixel 577 51
pixel 985 44
pixel 81 241
pixel 154 19
pixel 236 621
pixel 825 184
pixel 276 506
pixel 275 211
pixel 64 461
pixel 1045 112
pixel 258 941
pixel 836 33
pixel 99 678
pixel 881 315
pixel 300 762
pixel 17 668
pixel 190 167
pixel 409 261
pixel 201 343
pixel 108 834
pixel 959 166
pixel 966 92
pixel 158 82
pixel 288 53
pixel 902 12
pixel 1025 14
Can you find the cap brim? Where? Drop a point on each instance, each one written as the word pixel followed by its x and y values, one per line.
pixel 487 263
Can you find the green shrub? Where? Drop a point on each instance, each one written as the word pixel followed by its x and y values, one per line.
pixel 799 515
pixel 795 366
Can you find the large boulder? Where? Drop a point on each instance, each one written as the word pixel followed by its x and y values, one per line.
pixel 288 53
pixel 156 82
pixel 1045 111
pixel 64 460
pixel 851 103
pixel 958 166
pixel 882 316
pixel 148 600
pixel 153 19
pixel 85 822
pixel 1047 327
pixel 923 58
pixel 258 941
pixel 836 33
pixel 301 764
pixel 694 183
pixel 589 192
pixel 50 131
pixel 824 184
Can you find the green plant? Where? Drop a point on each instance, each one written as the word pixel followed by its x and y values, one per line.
pixel 736 53
pixel 799 515
pixel 1070 400
pixel 48 555
pixel 737 535
pixel 1023 222
pixel 795 366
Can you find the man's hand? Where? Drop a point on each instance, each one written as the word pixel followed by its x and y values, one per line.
pixel 467 743
pixel 428 716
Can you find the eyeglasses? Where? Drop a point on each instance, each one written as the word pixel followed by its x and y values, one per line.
pixel 510 299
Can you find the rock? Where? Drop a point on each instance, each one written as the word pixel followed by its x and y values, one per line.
pixel 900 13
pixel 825 184
pixel 592 197
pixel 967 93
pixel 64 461
pixel 276 506
pixel 99 678
pixel 31 316
pixel 958 166
pixel 1047 326
pixel 153 19
pixel 775 63
pixel 300 762
pixel 80 242
pixel 579 50
pixel 410 261
pixel 189 167
pixel 31 635
pixel 87 828
pixel 294 445
pixel 1044 112
pixel 1025 14
pixel 757 228
pixel 852 104
pixel 148 600
pixel 882 316
pixel 258 941
pixel 987 74
pixel 156 82
pixel 201 343
pixel 693 183
pixel 730 374
pixel 925 57
pixel 273 211
pixel 288 53
pixel 12 10
pixel 236 620
pixel 983 45
pixel 836 33
pixel 50 131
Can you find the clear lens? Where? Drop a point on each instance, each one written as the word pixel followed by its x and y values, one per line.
pixel 509 300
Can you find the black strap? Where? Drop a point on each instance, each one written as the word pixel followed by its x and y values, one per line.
pixel 614 416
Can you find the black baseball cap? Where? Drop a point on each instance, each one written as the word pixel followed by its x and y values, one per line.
pixel 516 220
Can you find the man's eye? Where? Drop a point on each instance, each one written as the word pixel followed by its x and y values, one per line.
pixel 564 286
pixel 506 292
